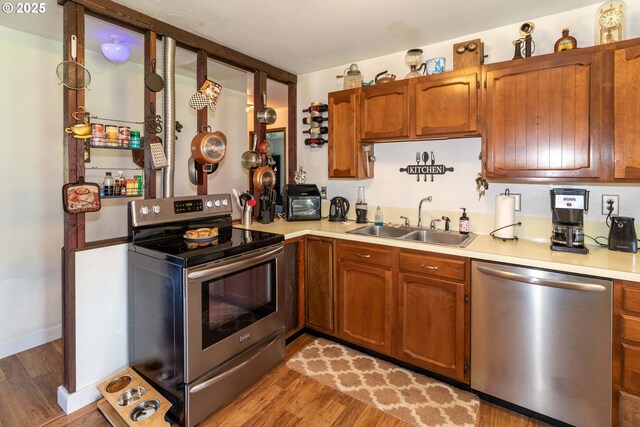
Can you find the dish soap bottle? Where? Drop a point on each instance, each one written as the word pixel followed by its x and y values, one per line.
pixel 463 226
pixel 378 220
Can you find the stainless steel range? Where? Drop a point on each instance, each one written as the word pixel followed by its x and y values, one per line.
pixel 206 317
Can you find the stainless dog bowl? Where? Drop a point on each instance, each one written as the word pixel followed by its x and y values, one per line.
pixel 144 410
pixel 118 383
pixel 132 395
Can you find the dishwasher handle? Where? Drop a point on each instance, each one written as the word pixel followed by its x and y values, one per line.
pixel 551 283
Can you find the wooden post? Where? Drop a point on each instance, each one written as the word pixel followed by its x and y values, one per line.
pixel 149 110
pixel 202 118
pixel 74 224
pixel 292 134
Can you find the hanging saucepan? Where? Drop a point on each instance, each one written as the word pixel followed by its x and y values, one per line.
pixel 251 158
pixel 264 177
pixel 152 80
pixel 209 147
pixel 265 114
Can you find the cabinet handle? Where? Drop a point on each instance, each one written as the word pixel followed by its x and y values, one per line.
pixel 363 255
pixel 429 267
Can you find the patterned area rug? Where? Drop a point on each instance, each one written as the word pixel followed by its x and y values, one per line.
pixel 406 395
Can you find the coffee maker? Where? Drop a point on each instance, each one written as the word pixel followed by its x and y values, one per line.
pixel 568 206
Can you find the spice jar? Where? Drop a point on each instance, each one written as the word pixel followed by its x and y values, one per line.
pixel 134 139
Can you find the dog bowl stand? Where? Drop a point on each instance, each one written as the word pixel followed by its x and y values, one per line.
pixel 120 416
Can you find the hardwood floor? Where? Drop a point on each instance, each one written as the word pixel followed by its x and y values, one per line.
pixel 29 382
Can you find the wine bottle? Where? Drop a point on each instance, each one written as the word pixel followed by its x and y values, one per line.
pixel 317 131
pixel 315 141
pixel 317 119
pixel 321 108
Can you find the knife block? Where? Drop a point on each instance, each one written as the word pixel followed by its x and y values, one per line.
pixel 123 397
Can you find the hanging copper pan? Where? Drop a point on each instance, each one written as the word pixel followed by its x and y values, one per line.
pixel 264 177
pixel 209 147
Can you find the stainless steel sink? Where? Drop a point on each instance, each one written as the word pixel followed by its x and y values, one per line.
pixel 410 234
pixel 381 231
pixel 440 237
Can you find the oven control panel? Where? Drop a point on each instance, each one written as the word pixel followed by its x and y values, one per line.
pixel 158 211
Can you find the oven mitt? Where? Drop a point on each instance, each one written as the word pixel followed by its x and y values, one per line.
pixel 211 90
pixel 198 101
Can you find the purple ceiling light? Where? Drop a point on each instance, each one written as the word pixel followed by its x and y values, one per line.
pixel 114 51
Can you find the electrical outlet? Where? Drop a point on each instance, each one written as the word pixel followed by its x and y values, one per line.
pixel 605 204
pixel 518 196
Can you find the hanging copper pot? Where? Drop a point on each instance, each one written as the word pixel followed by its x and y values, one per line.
pixel 209 147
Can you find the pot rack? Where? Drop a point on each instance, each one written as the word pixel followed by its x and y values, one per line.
pixel 74 224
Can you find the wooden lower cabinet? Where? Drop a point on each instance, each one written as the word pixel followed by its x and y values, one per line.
pixel 364 305
pixel 626 353
pixel 365 299
pixel 292 283
pixel 433 313
pixel 319 284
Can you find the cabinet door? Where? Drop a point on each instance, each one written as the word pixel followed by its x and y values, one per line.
pixel 384 111
pixel 626 113
pixel 346 159
pixel 318 282
pixel 542 118
pixel 364 305
pixel 447 105
pixel 431 324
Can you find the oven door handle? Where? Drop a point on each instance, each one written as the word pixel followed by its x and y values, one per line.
pixel 237 264
pixel 241 364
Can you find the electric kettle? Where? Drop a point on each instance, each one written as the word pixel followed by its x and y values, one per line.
pixel 338 209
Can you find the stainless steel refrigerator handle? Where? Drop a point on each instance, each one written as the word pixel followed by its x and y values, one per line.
pixel 561 284
pixel 211 381
pixel 236 264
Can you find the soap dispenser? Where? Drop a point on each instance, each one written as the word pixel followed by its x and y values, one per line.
pixel 378 220
pixel 463 226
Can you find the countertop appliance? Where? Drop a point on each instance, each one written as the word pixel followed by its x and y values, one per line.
pixel 542 340
pixel 622 234
pixel 301 202
pixel 568 206
pixel 338 209
pixel 206 316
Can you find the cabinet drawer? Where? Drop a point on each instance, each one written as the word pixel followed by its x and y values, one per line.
pixel 424 263
pixel 629 409
pixel 369 254
pixel 631 299
pixel 630 328
pixel 630 368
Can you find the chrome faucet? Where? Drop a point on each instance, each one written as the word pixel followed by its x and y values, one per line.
pixel 406 221
pixel 432 226
pixel 426 199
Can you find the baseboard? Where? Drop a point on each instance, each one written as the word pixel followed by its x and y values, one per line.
pixel 25 342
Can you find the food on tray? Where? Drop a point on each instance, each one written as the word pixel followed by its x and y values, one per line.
pixel 201 233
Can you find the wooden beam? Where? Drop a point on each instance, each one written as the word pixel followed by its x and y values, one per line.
pixel 292 132
pixel 74 225
pixel 150 55
pixel 123 15
pixel 202 117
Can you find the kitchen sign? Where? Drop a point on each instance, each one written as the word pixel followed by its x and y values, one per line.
pixel 426 165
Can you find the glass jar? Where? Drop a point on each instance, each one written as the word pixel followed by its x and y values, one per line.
pixel 352 77
pixel 134 139
pixel 108 185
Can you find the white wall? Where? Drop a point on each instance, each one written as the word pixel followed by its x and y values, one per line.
pixel 31 161
pixel 393 189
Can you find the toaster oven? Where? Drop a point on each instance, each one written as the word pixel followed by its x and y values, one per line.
pixel 301 202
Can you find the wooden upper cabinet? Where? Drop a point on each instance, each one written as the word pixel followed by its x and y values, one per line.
pixel 627 113
pixel 447 104
pixel 384 111
pixel 543 117
pixel 346 159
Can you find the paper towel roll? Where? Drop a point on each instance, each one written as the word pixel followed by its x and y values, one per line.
pixel 505 215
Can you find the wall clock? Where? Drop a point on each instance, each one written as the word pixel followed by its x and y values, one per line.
pixel 610 22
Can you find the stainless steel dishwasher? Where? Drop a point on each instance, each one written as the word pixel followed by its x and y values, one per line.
pixel 542 340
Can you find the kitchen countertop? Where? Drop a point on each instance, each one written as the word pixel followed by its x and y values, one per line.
pixel 600 261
